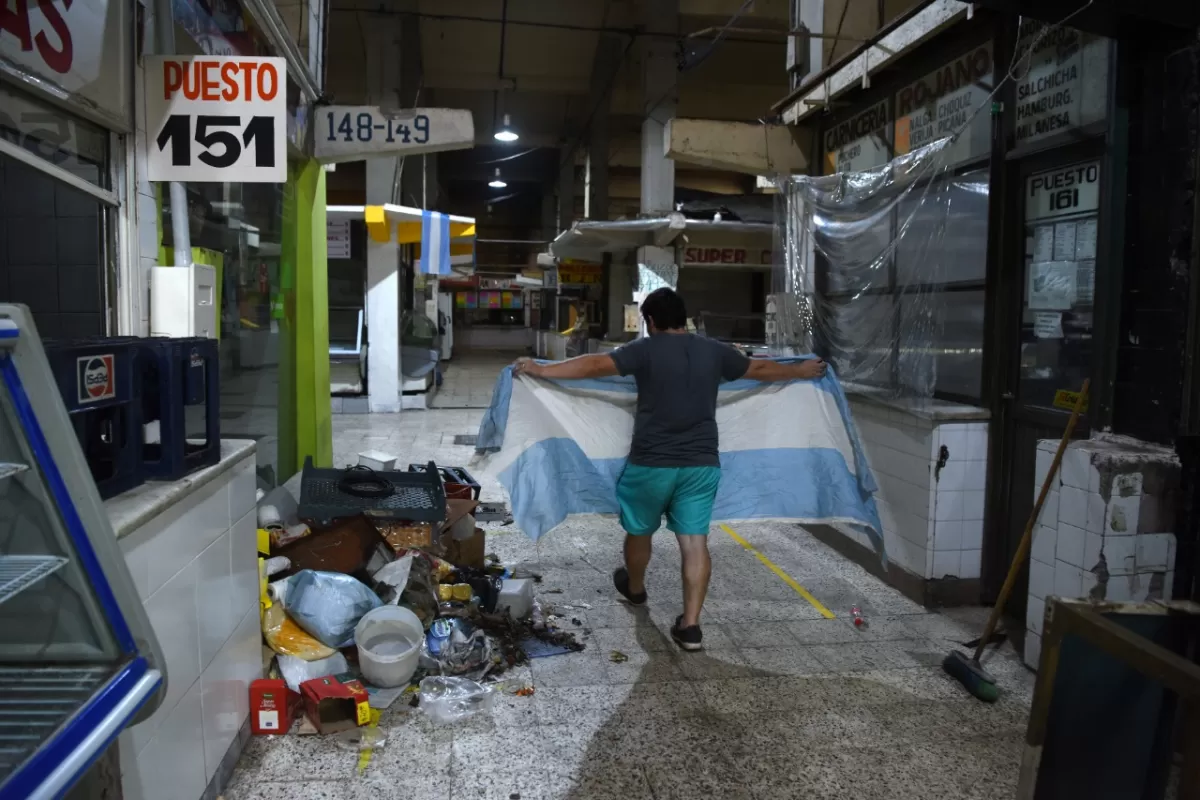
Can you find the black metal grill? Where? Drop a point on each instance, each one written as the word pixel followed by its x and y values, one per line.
pixel 328 494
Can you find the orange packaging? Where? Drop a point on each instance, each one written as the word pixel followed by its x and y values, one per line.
pixel 273 706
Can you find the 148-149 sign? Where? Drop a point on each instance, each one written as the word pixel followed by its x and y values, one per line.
pixel 216 120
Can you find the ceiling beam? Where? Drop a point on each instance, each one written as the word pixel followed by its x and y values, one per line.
pixel 750 148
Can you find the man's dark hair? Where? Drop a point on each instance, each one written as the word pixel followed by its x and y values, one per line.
pixel 665 308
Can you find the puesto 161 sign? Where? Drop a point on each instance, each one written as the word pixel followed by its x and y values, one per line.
pixel 348 133
pixel 216 119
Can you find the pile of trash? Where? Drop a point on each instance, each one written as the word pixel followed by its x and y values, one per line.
pixel 361 609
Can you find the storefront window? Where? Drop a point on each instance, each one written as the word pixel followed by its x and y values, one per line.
pixel 55 238
pixel 238 228
pixel 1064 85
pixel 1061 208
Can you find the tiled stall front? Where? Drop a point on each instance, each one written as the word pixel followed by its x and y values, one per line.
pixel 1105 530
pixel 931 467
pixel 191 547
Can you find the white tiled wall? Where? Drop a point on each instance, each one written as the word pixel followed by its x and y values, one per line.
pixel 195 567
pixel 145 207
pixel 932 525
pixel 1106 542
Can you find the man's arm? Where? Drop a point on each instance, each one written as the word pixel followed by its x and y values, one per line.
pixel 762 369
pixel 597 365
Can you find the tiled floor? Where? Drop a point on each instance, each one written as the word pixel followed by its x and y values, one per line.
pixel 782 704
pixel 468 379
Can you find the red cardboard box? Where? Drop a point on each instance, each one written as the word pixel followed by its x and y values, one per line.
pixel 273 706
pixel 333 705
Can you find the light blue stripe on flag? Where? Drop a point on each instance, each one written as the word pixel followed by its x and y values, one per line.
pixel 435 243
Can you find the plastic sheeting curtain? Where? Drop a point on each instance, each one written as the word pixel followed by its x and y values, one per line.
pixel 869 268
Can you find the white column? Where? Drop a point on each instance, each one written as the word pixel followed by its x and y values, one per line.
pixel 659 97
pixel 383 259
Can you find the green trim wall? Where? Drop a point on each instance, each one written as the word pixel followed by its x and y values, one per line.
pixel 305 412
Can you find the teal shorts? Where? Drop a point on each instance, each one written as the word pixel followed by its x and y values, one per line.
pixel 684 494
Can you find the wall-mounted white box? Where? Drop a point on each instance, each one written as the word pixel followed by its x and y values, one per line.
pixel 183 301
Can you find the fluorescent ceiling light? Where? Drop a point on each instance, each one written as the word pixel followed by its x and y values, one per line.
pixel 497 182
pixel 506 133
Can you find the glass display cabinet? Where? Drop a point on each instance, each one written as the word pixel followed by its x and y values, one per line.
pixel 78 658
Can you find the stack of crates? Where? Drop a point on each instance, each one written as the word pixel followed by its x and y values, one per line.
pixel 98 381
pixel 143 409
pixel 180 406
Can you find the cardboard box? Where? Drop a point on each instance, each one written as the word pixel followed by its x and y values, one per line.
pixel 273 706
pixel 334 705
pixel 466 552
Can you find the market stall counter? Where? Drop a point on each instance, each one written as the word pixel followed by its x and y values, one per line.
pixel 191 548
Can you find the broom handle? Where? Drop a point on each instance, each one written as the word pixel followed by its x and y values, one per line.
pixel 1027 538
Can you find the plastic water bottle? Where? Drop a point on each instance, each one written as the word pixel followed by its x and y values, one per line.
pixel 859 619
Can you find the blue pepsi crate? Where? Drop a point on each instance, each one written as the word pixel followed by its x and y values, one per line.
pixel 180 406
pixel 96 378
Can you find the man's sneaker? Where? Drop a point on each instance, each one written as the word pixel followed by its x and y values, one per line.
pixel 688 638
pixel 621 581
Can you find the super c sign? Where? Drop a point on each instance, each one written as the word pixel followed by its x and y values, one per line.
pixel 216 119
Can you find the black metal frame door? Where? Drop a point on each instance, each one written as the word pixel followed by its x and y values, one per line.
pixel 1051 254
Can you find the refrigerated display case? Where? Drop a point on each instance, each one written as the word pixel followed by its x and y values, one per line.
pixel 78 658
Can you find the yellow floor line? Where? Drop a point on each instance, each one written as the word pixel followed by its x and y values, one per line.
pixel 788 579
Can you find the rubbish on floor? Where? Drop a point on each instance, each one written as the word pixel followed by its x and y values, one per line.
pixel 296 671
pixel 287 638
pixel 392 579
pixel 406 535
pixel 460 592
pixel 277 514
pixel 420 592
pixel 467 552
pixel 328 604
pixel 454 646
pixel 538 648
pixel 517 597
pixel 382 699
pixel 859 620
pixel 273 706
pixel 448 699
pixel 362 739
pixel 377 460
pixel 617 657
pixel 278 564
pixel 344 545
pixel 492 512
pixel 333 705
pixel 382 495
pixel 389 646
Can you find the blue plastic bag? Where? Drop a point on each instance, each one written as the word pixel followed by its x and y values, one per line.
pixel 328 605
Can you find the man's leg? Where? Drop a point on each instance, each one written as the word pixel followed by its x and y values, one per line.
pixel 689 516
pixel 642 493
pixel 637 557
pixel 697 569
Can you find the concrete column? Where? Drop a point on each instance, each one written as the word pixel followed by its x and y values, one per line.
pixel 604 67
pixel 412 168
pixel 549 214
pixel 659 97
pixel 383 258
pixel 566 193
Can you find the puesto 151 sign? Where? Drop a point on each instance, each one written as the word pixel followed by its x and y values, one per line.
pixel 216 119
pixel 348 133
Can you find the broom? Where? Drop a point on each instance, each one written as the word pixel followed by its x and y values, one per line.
pixel 968 671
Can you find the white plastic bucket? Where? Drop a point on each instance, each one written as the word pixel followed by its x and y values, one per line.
pixel 389 645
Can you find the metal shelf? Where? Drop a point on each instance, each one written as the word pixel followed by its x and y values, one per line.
pixel 35 701
pixel 20 572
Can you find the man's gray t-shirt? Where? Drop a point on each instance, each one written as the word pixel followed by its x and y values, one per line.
pixel 677 377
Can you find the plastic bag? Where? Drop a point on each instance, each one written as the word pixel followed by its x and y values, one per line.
pixel 445 699
pixel 453 646
pixel 287 638
pixel 328 604
pixel 296 671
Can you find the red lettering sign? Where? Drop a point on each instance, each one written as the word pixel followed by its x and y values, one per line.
pixel 199 79
pixel 58 54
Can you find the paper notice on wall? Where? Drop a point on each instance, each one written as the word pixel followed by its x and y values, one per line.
pixel 1064 241
pixel 1052 285
pixel 1085 282
pixel 1085 239
pixel 1043 243
pixel 1047 325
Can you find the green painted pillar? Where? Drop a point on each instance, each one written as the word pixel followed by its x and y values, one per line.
pixel 305 416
